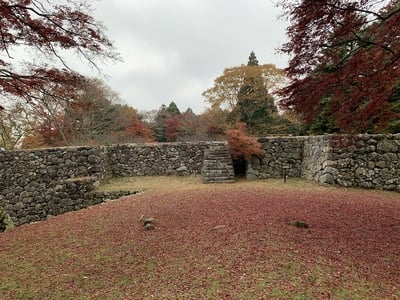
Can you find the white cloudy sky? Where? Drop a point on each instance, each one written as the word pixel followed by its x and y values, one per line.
pixel 174 49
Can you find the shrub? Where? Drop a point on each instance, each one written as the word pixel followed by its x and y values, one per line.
pixel 241 145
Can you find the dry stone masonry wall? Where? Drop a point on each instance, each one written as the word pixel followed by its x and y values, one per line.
pixel 278 152
pixel 40 183
pixel 156 159
pixel 366 161
pixel 36 184
pixel 315 158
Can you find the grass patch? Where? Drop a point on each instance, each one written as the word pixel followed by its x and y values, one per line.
pixel 160 183
pixel 188 183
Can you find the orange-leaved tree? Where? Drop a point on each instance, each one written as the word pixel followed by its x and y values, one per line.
pixel 138 131
pixel 242 146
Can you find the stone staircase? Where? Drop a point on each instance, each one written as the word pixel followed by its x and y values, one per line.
pixel 217 164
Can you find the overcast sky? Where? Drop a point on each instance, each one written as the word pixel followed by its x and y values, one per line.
pixel 174 49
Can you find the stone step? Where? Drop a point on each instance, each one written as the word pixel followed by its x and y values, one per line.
pixel 217 165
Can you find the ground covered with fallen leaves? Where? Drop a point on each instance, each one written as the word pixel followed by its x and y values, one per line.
pixel 227 241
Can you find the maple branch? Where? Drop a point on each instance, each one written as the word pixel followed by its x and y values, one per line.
pixel 354 9
pixel 5 47
pixel 91 44
pixel 392 13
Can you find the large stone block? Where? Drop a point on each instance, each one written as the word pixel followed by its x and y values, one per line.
pixel 387 146
pixel 5 220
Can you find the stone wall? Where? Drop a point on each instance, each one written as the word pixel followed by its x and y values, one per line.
pixel 157 159
pixel 278 151
pixel 316 154
pixel 38 183
pixel 366 161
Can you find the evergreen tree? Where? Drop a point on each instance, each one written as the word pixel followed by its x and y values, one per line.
pixel 165 117
pixel 159 131
pixel 252 59
pixel 242 94
pixel 173 109
pixel 189 111
pixel 255 107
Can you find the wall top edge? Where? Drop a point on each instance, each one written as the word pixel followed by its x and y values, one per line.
pixel 327 136
pixel 105 147
pixel 395 136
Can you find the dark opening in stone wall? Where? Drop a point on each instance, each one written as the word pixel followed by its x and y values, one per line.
pixel 239 167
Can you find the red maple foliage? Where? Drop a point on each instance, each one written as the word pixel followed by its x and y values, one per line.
pixel 241 145
pixel 171 127
pixel 48 27
pixel 347 52
pixel 138 131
